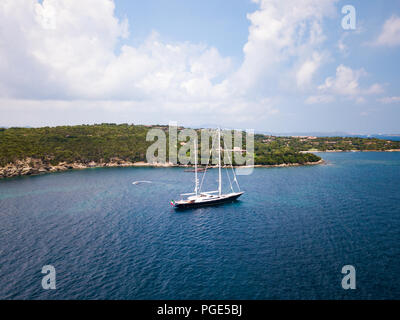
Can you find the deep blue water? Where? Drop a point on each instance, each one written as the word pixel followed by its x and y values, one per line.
pixel 287 238
pixel 395 138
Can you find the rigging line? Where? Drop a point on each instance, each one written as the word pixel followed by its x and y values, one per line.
pixel 226 170
pixel 208 160
pixel 235 179
pixel 233 171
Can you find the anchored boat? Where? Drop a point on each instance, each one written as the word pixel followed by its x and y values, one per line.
pixel 208 198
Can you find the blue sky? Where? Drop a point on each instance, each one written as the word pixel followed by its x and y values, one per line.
pixel 280 66
pixel 219 23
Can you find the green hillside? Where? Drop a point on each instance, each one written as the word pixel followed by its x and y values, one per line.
pixel 100 143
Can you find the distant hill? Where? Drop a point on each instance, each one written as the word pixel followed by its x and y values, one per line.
pixel 102 144
pixel 332 134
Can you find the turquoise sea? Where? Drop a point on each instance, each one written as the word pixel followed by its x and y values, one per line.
pixel 287 238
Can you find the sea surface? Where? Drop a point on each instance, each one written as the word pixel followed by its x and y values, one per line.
pixel 288 238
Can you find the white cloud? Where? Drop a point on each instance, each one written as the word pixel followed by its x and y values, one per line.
pixel 341 44
pixel 390 34
pixel 64 53
pixel 242 113
pixel 346 37
pixel 282 31
pixel 376 88
pixel 307 69
pixel 347 83
pixel 320 99
pixel 387 100
pixel 66 49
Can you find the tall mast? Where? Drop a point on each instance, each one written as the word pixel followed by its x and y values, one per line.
pixel 219 162
pixel 195 167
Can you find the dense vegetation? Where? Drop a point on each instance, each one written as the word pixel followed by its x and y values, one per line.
pixel 102 142
pixel 83 143
pixel 309 143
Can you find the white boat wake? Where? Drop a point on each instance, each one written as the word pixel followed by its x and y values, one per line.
pixel 139 182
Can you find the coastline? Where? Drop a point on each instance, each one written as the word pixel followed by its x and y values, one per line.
pixel 389 150
pixel 283 165
pixel 31 167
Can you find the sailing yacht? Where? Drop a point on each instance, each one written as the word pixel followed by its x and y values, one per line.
pixel 207 198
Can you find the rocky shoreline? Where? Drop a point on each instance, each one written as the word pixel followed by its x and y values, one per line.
pixel 32 166
pixel 283 165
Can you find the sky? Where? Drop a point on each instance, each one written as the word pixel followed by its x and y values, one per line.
pixel 267 65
